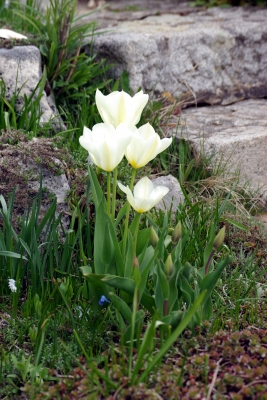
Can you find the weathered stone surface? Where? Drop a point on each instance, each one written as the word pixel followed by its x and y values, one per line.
pixel 20 163
pixel 174 197
pixel 235 134
pixel 217 56
pixel 20 69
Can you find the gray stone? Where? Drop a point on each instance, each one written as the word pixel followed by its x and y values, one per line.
pixel 20 69
pixel 218 56
pixel 236 135
pixel 175 195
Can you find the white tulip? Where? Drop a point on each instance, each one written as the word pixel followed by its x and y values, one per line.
pixel 8 34
pixel 105 144
pixel 120 107
pixel 145 145
pixel 145 196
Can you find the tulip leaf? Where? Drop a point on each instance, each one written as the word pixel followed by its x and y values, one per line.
pixel 145 271
pixel 162 279
pixel 129 257
pixel 107 256
pixel 99 239
pixel 142 240
pixel 128 286
pixel 121 214
pixel 103 225
pixel 96 287
pixel 210 280
pixel 97 192
pixel 173 337
pixel 139 319
pixel 147 255
pixel 122 307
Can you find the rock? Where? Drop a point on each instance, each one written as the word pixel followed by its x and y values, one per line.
pixel 175 196
pixel 20 164
pixel 20 69
pixel 218 56
pixel 235 134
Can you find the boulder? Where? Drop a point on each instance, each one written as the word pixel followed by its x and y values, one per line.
pixel 21 161
pixel 233 135
pixel 20 69
pixel 217 56
pixel 175 195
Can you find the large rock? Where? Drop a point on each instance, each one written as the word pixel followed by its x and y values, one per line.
pixel 217 56
pixel 236 135
pixel 175 195
pixel 20 69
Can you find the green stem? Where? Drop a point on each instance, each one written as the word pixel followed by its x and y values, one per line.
pixel 108 193
pixel 114 192
pixel 125 234
pixel 136 233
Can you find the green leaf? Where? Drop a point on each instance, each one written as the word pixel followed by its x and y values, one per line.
pixel 128 286
pixel 129 257
pixel 145 346
pixel 121 306
pixel 162 280
pixel 209 282
pixel 11 254
pixel 173 337
pixel 108 255
pixel 142 240
pixel 237 224
pixel 97 192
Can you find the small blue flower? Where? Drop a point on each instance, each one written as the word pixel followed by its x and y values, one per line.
pixel 102 300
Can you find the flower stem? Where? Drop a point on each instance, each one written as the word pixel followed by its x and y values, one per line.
pixel 125 234
pixel 136 233
pixel 114 192
pixel 108 193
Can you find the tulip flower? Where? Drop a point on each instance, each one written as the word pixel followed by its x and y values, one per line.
pixel 8 34
pixel 105 144
pixel 145 196
pixel 145 145
pixel 120 107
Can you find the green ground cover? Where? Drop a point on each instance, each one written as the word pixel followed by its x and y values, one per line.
pixel 184 312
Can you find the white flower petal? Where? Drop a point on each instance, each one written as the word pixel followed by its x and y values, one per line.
pixel 145 196
pixel 106 145
pixel 120 107
pixel 143 188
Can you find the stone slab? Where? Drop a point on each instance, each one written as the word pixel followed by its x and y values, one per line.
pixel 217 56
pixel 235 134
pixel 20 69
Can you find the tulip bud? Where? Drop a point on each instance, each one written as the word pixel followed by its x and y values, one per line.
pixel 135 262
pixel 168 268
pixel 177 233
pixel 219 239
pixel 153 237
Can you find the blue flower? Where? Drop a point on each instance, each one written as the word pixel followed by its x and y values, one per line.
pixel 102 300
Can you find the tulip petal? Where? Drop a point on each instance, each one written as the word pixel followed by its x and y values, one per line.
pixel 120 107
pixel 106 145
pixel 143 188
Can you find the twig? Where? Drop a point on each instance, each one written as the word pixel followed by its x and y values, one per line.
pixel 214 379
pixel 253 383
